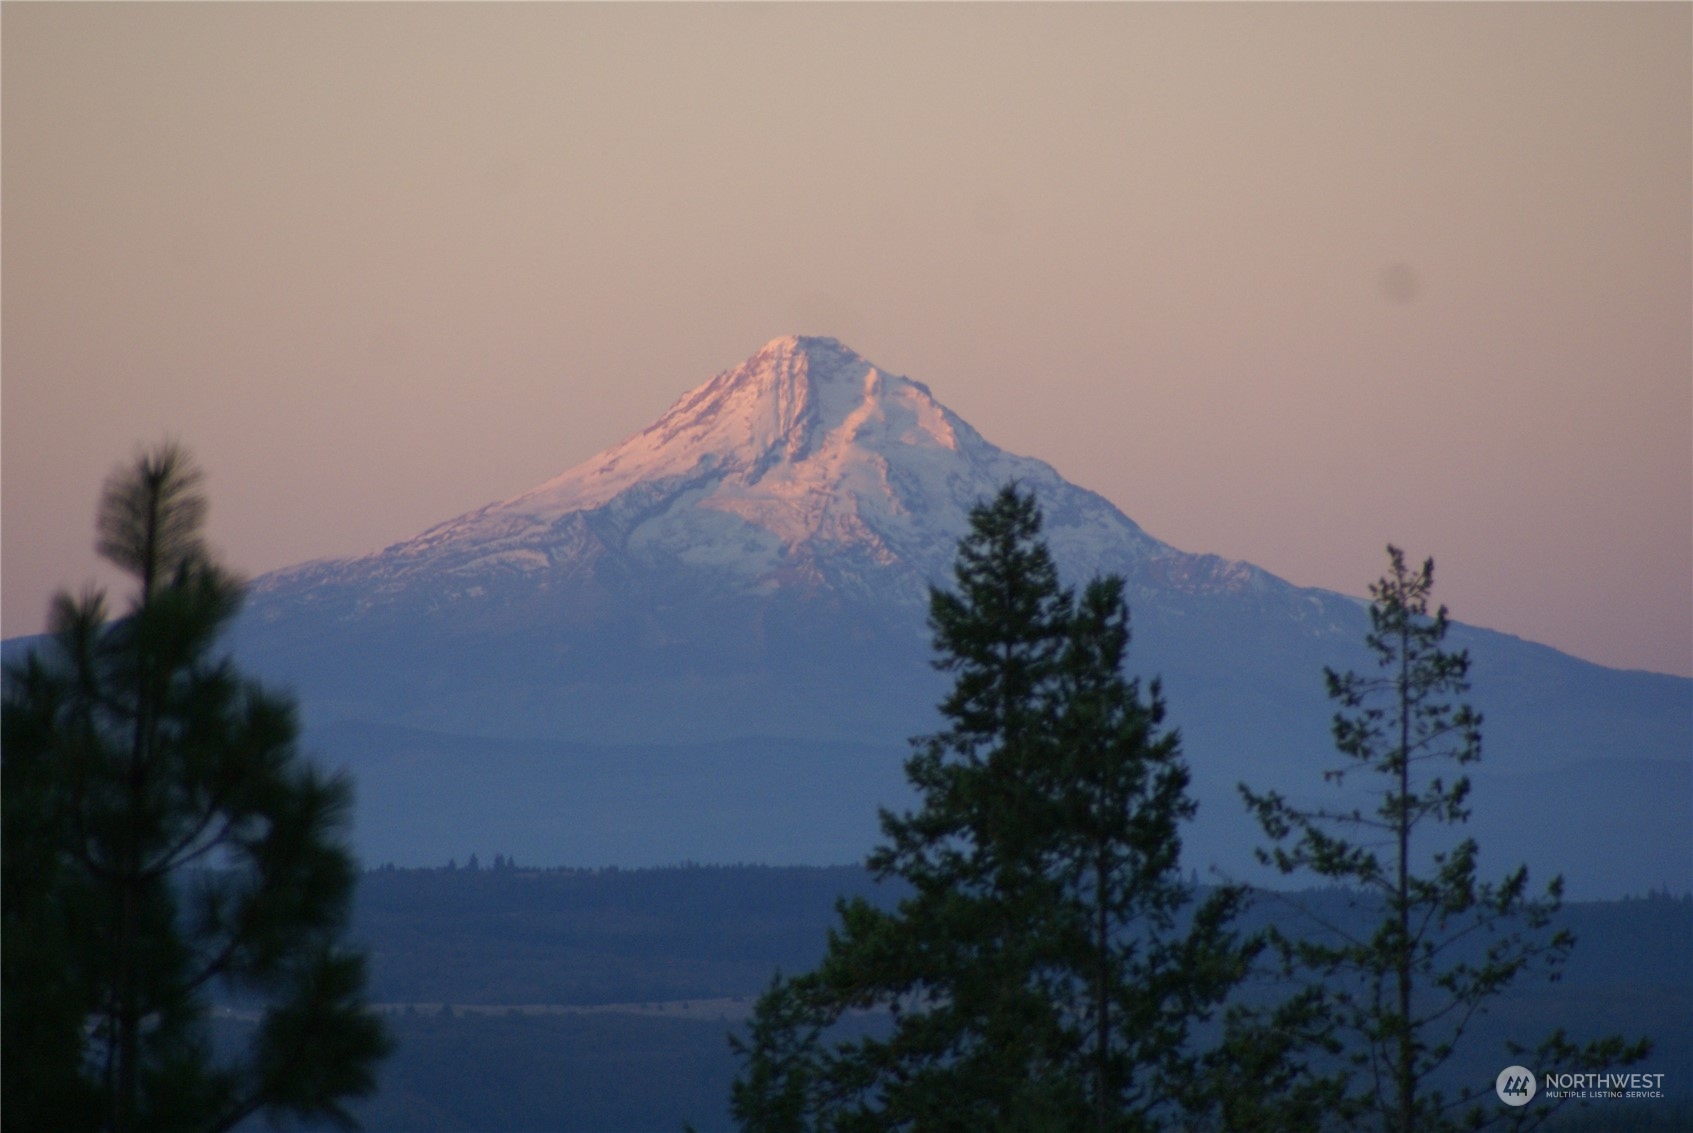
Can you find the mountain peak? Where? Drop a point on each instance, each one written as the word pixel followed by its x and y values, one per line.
pixel 807 344
pixel 803 380
pixel 801 408
pixel 806 464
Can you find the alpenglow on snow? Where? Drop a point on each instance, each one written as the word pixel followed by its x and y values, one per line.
pixel 806 463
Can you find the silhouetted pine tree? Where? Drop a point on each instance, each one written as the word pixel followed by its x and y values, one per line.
pixel 165 843
pixel 1037 977
pixel 1136 981
pixel 1398 1001
pixel 780 1054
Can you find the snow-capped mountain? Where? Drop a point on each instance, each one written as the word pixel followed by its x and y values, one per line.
pixel 756 561
pixel 807 466
pixel 573 674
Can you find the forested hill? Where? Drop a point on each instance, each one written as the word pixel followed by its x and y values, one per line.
pixel 527 936
pixel 519 935
pixel 600 1000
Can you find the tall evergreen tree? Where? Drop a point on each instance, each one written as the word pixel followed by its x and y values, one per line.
pixel 1036 977
pixel 1138 979
pixel 164 842
pixel 1399 1000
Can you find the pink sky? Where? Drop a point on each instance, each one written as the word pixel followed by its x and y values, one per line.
pixel 1284 282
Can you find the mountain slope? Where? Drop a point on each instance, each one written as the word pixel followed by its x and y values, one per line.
pixel 806 496
pixel 805 466
pixel 757 563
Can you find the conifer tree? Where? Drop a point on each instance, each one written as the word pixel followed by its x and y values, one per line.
pixel 165 844
pixel 1037 976
pixel 1399 1000
pixel 773 1093
pixel 1137 983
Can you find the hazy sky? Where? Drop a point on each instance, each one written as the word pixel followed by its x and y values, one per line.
pixel 1284 282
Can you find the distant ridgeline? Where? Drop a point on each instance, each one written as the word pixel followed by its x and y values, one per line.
pixel 599 1000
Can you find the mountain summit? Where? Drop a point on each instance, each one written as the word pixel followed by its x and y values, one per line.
pixel 800 414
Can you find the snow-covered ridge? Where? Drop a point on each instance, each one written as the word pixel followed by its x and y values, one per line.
pixel 801 402
pixel 805 463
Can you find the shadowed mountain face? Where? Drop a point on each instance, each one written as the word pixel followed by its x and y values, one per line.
pixel 757 563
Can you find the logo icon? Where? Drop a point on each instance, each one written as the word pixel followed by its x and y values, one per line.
pixel 1515 1085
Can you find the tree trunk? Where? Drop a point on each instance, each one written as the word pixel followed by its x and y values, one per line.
pixel 1406 1070
pixel 1102 1112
